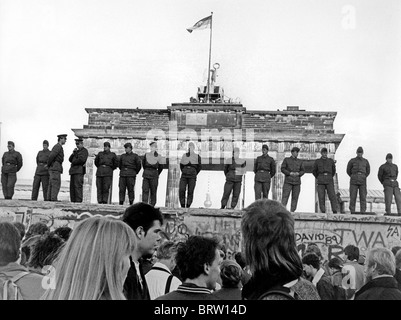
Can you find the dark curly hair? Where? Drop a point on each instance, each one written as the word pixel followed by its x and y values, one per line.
pixel 45 250
pixel 36 228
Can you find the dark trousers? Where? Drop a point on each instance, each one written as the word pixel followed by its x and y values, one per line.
pixel 294 189
pixel 8 181
pixel 353 192
pixel 76 187
pixel 321 193
pixel 261 189
pixel 184 183
pixel 149 186
pixel 388 198
pixel 229 186
pixel 54 185
pixel 36 186
pixel 103 188
pixel 127 183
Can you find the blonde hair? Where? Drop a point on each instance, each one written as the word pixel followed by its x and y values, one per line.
pixel 90 265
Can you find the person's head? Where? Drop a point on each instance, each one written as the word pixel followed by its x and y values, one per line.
pixel 63 232
pixel 313 247
pixel 45 145
pixel 311 264
pixel 10 146
pixel 153 146
pixel 323 152
pixel 21 228
pixel 395 249
pixel 380 261
pixel 351 253
pixel 128 147
pixel 295 152
pixel 10 243
pixel 166 253
pixel 359 152
pixel 191 147
pixel 236 153
pixel 265 149
pixel 146 221
pixel 389 158
pixel 79 143
pixel 94 262
pixel 38 228
pixel 198 258
pixel 230 274
pixel 269 240
pixel 335 264
pixel 106 146
pixel 62 138
pixel 398 260
pixel 45 250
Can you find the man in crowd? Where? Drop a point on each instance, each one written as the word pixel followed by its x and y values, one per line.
pixel 358 169
pixel 264 169
pixel 234 171
pixel 77 171
pixel 354 275
pixel 198 259
pixel 152 167
pixel 106 162
pixel 293 169
pixel 324 170
pixel 146 221
pixel 41 173
pixel 190 166
pixel 130 165
pixel 55 165
pixel 388 174
pixel 380 282
pixel 11 164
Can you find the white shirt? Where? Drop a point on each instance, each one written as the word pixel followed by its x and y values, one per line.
pixel 318 276
pixel 157 279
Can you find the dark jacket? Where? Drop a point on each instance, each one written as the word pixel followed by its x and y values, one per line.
pixel 152 165
pixel 78 159
pixel 388 174
pixel 397 277
pixel 235 170
pixel 11 161
pixel 132 287
pixel 129 164
pixel 228 294
pixel 106 162
pixel 291 164
pixel 382 288
pixel 188 291
pixel 56 158
pixel 190 165
pixel 324 170
pixel 325 288
pixel 41 162
pixel 358 169
pixel 264 168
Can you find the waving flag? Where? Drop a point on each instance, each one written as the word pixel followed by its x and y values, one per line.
pixel 201 24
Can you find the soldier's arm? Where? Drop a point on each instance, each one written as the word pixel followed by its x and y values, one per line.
pixel 349 167
pixel 333 165
pixel 380 175
pixel 301 169
pixel 80 159
pixel 120 162
pixel 315 168
pixel 71 158
pixel 19 161
pixel 199 165
pixel 37 158
pixel 52 155
pixel 284 168
pixel 255 166
pixel 97 160
pixel 272 168
pixel 367 168
pixel 138 164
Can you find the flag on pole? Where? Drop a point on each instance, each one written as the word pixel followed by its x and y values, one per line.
pixel 201 24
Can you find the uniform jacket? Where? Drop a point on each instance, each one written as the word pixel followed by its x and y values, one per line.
pixel 388 174
pixel 106 162
pixel 56 158
pixel 41 161
pixel 190 165
pixel 235 170
pixel 78 159
pixel 358 169
pixel 291 164
pixel 11 161
pixel 381 288
pixel 264 168
pixel 324 170
pixel 129 164
pixel 152 165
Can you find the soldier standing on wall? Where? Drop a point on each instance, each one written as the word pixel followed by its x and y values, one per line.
pixel 11 164
pixel 77 171
pixel 293 169
pixel 130 165
pixel 152 167
pixel 190 166
pixel 55 164
pixel 265 169
pixel 324 170
pixel 105 161
pixel 42 172
pixel 358 169
pixel 387 175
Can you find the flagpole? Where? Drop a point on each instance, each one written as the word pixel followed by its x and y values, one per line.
pixel 210 57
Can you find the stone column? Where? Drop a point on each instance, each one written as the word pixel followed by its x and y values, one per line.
pixel 88 180
pixel 173 181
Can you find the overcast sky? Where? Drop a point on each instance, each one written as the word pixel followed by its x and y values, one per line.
pixel 58 57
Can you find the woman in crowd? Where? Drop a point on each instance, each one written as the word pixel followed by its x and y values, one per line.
pixel 94 262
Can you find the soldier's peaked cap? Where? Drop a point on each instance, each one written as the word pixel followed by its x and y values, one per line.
pixel 128 145
pixel 389 156
pixel 79 140
pixel 45 142
pixel 61 135
pixel 323 150
pixel 359 150
pixel 106 144
pixel 265 147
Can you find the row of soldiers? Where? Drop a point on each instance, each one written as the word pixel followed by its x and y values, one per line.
pixel 49 170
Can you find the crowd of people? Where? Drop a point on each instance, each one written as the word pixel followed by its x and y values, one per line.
pixel 129 257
